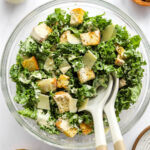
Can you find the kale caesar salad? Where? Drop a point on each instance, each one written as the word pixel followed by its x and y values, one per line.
pixel 65 60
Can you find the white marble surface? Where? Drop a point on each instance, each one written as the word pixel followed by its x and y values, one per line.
pixel 12 135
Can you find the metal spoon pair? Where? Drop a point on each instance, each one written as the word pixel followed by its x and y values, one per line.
pixel 105 102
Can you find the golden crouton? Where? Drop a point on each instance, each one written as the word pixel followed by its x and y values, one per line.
pixel 77 16
pixel 63 81
pixel 62 101
pixel 65 127
pixel 30 64
pixel 85 74
pixel 86 129
pixel 47 85
pixel 90 38
pixel 119 61
pixel 65 102
pixel 41 32
pixel 122 83
pixel 120 51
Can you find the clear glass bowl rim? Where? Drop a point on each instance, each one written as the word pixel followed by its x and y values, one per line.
pixel 17 29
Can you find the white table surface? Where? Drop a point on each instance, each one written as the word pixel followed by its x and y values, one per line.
pixel 12 135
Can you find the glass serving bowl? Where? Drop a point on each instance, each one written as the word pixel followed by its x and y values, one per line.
pixel 95 7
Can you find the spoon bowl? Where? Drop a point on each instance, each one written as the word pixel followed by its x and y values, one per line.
pixel 95 107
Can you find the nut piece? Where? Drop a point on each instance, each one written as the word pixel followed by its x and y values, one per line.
pixel 47 85
pixel 41 32
pixel 63 81
pixel 65 102
pixel 65 127
pixel 86 129
pixel 85 74
pixel 122 83
pixel 90 38
pixel 30 64
pixel 77 16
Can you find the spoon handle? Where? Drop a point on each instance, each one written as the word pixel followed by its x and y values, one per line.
pixel 114 128
pixel 119 145
pixel 102 147
pixel 99 129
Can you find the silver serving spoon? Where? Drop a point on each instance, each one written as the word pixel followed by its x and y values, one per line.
pixel 111 116
pixel 95 107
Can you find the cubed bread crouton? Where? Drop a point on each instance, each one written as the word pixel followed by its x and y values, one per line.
pixel 65 102
pixel 122 83
pixel 86 129
pixel 76 16
pixel 120 51
pixel 62 100
pixel 47 85
pixel 90 38
pixel 85 74
pixel 63 81
pixel 30 64
pixel 41 32
pixel 67 37
pixel 65 127
pixel 119 61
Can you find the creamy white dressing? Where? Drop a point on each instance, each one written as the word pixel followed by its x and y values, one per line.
pixel 36 74
pixel 65 125
pixel 22 78
pixel 42 118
